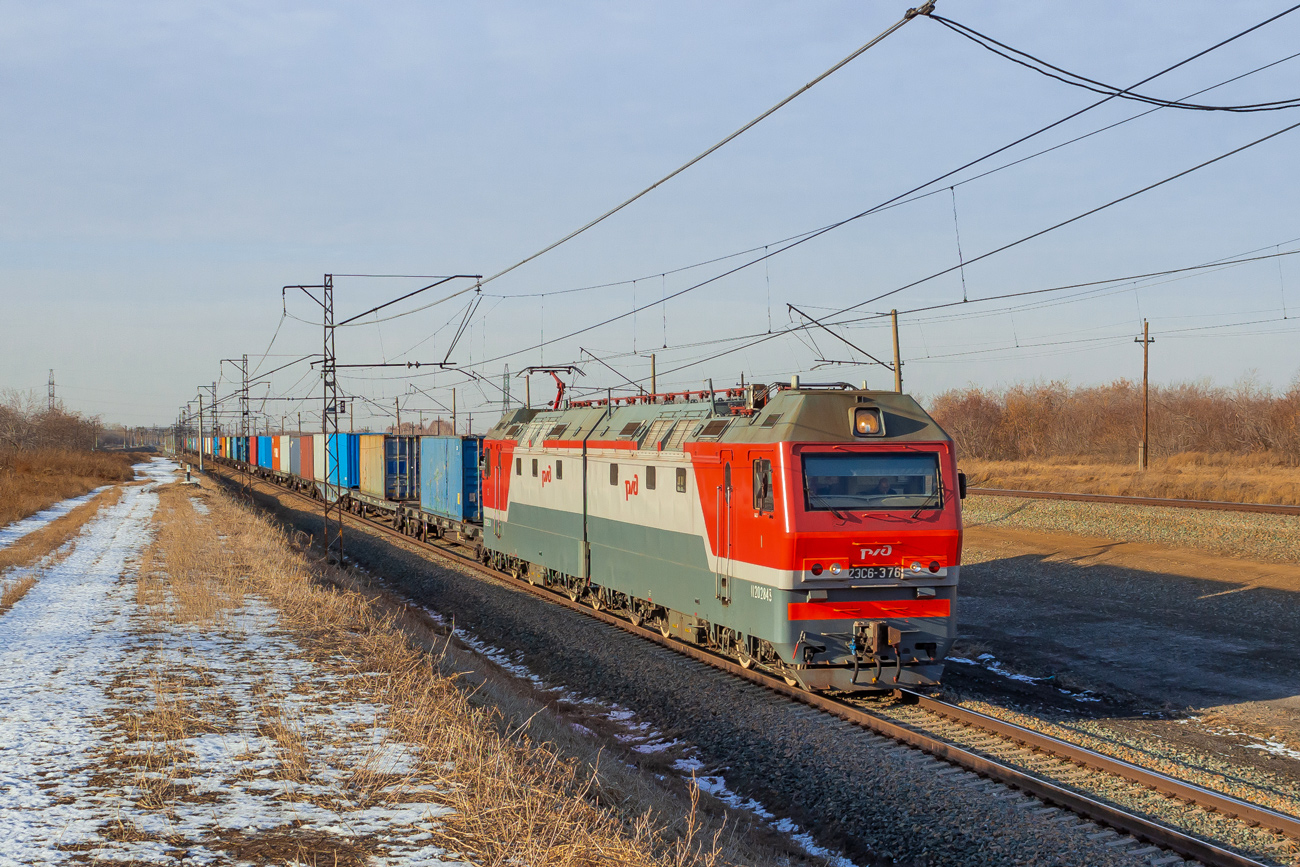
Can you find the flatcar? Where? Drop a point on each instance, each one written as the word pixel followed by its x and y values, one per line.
pixel 810 530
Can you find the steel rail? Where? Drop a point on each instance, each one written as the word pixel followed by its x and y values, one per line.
pixel 1206 798
pixel 1179 842
pixel 1213 505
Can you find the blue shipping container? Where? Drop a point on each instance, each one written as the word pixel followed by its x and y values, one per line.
pixel 401 467
pixel 449 480
pixel 264 452
pixel 343 460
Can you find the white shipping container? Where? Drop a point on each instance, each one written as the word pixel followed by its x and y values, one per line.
pixel 318 456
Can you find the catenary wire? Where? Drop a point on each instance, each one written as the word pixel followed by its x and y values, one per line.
pixel 1042 67
pixel 908 16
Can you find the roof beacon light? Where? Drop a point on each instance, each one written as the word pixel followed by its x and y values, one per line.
pixel 866 422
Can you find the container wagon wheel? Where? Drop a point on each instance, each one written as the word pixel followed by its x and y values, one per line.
pixel 746 661
pixel 575 592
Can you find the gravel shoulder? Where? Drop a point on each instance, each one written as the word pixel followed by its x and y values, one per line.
pixel 1241 535
pixel 1143 628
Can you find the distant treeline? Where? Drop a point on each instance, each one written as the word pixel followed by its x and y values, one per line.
pixel 436 428
pixel 1056 419
pixel 27 423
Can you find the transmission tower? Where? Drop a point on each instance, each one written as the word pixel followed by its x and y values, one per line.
pixel 51 389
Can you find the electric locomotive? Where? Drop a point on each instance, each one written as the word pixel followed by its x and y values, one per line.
pixel 811 530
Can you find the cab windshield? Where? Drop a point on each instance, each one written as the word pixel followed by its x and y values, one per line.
pixel 871 480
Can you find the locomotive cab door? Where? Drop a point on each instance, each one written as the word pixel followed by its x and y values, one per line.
pixel 724 532
pixel 496 472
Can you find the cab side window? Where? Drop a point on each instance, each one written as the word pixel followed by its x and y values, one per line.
pixel 764 492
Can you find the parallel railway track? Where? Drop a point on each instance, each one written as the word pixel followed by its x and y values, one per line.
pixel 1212 505
pixel 997 759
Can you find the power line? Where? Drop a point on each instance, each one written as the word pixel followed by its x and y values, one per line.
pixel 1042 67
pixel 926 279
pixel 908 16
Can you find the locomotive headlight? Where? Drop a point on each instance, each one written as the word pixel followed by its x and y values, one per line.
pixel 835 569
pixel 866 421
pixel 916 566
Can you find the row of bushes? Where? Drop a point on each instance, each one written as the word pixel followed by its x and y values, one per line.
pixel 1104 422
pixel 27 423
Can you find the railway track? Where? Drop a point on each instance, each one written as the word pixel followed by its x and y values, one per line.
pixel 1058 773
pixel 1212 505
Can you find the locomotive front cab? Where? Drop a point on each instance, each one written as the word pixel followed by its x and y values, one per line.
pixel 874 523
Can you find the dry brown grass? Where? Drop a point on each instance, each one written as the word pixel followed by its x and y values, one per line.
pixel 523 787
pixel 12 591
pixel 34 480
pixel 1192 476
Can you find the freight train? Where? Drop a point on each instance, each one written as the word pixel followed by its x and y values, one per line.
pixel 810 530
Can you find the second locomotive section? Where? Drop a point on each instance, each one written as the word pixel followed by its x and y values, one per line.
pixel 816 534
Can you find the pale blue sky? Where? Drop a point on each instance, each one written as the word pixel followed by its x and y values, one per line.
pixel 167 167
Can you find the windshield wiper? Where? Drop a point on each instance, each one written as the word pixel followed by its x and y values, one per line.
pixel 925 504
pixel 834 511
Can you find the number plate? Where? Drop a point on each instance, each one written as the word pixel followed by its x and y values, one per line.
pixel 868 573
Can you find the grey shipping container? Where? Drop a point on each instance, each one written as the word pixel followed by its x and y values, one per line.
pixel 449 477
pixel 295 456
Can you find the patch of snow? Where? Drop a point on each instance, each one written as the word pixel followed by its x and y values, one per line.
pixel 15 531
pixel 1276 747
pixel 61 646
pixel 990 663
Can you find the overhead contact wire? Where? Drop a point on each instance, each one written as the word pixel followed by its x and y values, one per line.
pixel 908 16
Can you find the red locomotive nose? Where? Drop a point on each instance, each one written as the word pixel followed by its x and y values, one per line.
pixel 816 569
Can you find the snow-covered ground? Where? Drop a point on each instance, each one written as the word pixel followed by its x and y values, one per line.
pixel 60 647
pixel 82 664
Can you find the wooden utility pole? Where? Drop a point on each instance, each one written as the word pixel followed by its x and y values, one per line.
pixel 397 406
pixel 1144 448
pixel 453 412
pixel 898 359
